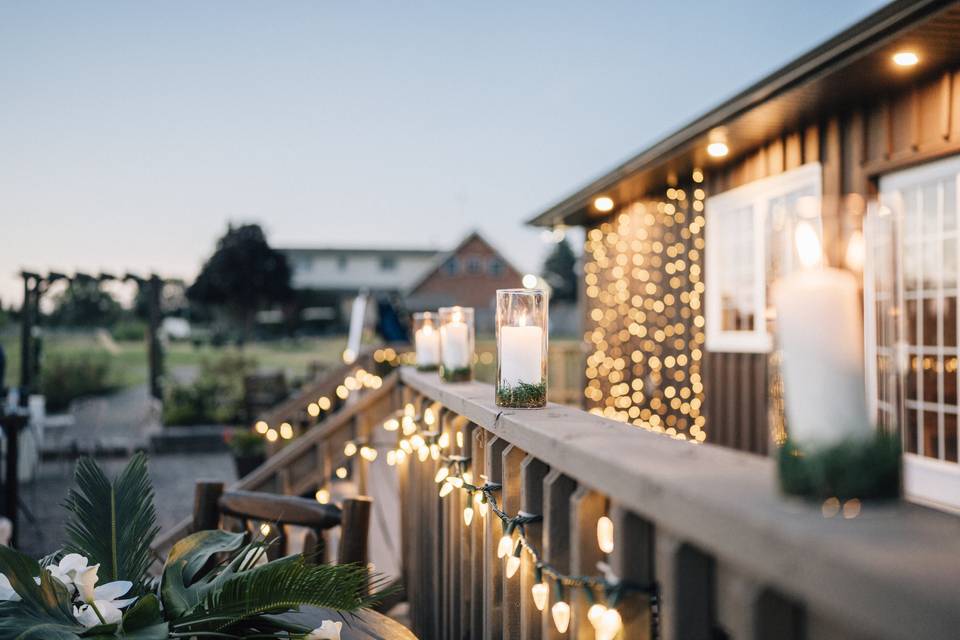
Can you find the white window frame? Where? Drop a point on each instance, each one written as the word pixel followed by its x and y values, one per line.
pixel 926 480
pixel 756 194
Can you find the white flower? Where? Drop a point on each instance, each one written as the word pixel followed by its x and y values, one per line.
pixel 6 589
pixel 329 630
pixel 86 582
pixel 68 569
pixel 106 599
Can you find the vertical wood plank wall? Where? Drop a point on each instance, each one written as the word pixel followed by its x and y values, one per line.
pixel 886 133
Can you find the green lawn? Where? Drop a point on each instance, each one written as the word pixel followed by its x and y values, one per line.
pixel 129 359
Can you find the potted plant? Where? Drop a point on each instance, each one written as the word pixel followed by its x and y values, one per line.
pixel 248 449
pixel 214 584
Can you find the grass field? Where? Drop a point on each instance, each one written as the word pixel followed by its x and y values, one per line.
pixel 129 359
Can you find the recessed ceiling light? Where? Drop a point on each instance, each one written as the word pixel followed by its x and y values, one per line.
pixel 905 58
pixel 603 203
pixel 718 149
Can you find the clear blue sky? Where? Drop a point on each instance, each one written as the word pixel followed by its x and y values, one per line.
pixel 131 132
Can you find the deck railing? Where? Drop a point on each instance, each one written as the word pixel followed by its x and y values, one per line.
pixel 730 556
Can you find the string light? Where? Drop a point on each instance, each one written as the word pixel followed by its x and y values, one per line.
pixel 392 457
pixel 368 453
pixel 442 474
pixel 595 612
pixel 391 425
pixel 261 427
pixel 341 472
pixel 505 545
pixel 323 496
pixel 467 515
pixel 324 403
pixel 605 534
pixel 265 529
pixel 350 449
pixel 540 592
pixel 561 615
pixel 286 431
pixel 609 625
pixel 272 435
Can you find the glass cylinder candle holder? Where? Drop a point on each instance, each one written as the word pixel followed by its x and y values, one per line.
pixel 521 348
pixel 426 341
pixel 456 344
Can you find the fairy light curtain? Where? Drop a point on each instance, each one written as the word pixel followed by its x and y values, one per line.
pixel 643 271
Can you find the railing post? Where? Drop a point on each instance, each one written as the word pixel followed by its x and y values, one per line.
pixel 493 566
pixel 685 575
pixel 532 473
pixel 477 540
pixel 468 536
pixel 632 561
pixel 586 507
pixel 510 502
pixel 206 508
pixel 557 490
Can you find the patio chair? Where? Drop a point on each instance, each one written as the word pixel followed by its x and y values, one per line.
pixel 213 507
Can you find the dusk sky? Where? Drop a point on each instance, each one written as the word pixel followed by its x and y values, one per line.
pixel 132 132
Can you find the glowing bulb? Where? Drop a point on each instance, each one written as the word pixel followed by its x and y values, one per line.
pixel 435 451
pixel 265 529
pixel 349 355
pixel 409 426
pixel 444 440
pixel 349 449
pixel 261 427
pixel 603 204
pixel 460 439
pixel 856 252
pixel 609 625
pixel 605 534
pixel 442 474
pixel 368 453
pixel 272 435
pixel 446 489
pixel 401 456
pixel 417 441
pixel 505 546
pixel 513 564
pixel 456 481
pixel 391 457
pixel 482 509
pixel 341 472
pixel 717 149
pixel 423 453
pixel 409 410
pixel 529 281
pixel 323 496
pixel 428 417
pixel 905 58
pixel 342 392
pixel 561 615
pixel 467 515
pixel 540 592
pixel 391 425
pixel 286 431
pixel 324 403
pixel 406 447
pixel 595 612
pixel 467 477
pixel 808 245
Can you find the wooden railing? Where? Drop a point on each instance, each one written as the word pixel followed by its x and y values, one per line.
pixel 729 555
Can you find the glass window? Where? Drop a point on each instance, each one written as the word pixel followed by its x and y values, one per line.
pixel 342 261
pixel 916 297
pixel 495 267
pixel 451 266
pixel 474 265
pixel 388 263
pixel 749 245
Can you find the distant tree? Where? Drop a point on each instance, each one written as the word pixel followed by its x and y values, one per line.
pixel 243 275
pixel 173 299
pixel 84 304
pixel 559 270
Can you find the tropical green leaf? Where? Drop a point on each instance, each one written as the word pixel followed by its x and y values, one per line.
pixel 144 613
pixel 282 585
pixel 47 601
pixel 187 557
pixel 114 523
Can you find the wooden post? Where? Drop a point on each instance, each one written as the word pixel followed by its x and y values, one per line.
pixel 206 508
pixel 586 507
pixel 686 577
pixel 477 540
pixel 354 530
pixel 512 457
pixel 557 490
pixel 632 560
pixel 493 566
pixel 532 474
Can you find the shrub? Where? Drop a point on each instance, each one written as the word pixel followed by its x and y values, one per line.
pixel 68 376
pixel 129 330
pixel 215 397
pixel 246 443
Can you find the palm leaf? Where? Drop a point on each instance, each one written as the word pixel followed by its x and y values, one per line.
pixel 44 609
pixel 185 560
pixel 282 585
pixel 113 523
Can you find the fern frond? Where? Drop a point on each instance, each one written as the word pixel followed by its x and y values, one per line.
pixel 113 523
pixel 280 586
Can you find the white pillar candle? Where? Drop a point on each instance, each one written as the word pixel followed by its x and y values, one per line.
pixel 521 354
pixel 427 344
pixel 455 345
pixel 820 333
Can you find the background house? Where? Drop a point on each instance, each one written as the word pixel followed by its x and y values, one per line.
pixel 859 137
pixel 469 275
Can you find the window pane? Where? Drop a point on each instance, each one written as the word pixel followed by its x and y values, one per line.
pixel 930 379
pixel 737 273
pixel 910 434
pixel 950 436
pixel 949 204
pixel 950 321
pixel 929 322
pixel 931 432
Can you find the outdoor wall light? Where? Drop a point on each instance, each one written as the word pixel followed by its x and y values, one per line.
pixel 717 143
pixel 905 58
pixel 603 204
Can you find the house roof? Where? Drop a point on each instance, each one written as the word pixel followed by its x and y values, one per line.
pixel 356 251
pixel 443 257
pixel 836 74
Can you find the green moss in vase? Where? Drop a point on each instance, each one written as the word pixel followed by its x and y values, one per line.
pixel 522 396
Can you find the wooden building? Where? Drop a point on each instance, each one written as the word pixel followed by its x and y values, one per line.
pixel 468 275
pixel 859 136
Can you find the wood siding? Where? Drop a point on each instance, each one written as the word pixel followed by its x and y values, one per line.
pixel 883 134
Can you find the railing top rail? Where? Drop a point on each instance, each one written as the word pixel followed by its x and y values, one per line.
pixel 883 571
